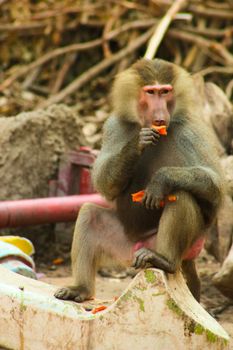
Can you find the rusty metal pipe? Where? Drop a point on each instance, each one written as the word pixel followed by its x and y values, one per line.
pixel 26 212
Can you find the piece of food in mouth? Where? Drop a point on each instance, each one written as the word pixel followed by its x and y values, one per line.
pixel 162 129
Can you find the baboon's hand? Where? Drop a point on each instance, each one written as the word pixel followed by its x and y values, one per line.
pixel 144 258
pixel 156 191
pixel 151 200
pixel 148 137
pixel 153 196
pixel 77 294
pixel 148 258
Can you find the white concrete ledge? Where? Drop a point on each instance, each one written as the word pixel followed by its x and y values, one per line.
pixel 154 312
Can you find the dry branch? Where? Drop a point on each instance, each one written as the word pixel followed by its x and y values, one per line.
pixel 63 71
pixel 207 12
pixel 73 48
pixel 92 72
pixel 162 28
pixel 66 10
pixel 209 32
pixel 69 40
pixel 20 26
pixel 216 69
pixel 212 47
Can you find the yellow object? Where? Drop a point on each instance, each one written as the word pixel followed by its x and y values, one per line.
pixel 22 243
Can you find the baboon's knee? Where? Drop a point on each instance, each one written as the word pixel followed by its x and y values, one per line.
pixel 187 205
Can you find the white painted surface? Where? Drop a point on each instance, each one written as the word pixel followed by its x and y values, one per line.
pixel 153 313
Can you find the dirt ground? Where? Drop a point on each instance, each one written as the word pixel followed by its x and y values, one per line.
pixel 212 300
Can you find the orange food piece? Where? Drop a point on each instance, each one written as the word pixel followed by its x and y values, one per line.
pixel 162 129
pixel 58 261
pixel 137 197
pixel 98 309
pixel 171 198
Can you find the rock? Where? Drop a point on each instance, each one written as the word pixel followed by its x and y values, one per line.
pixel 31 145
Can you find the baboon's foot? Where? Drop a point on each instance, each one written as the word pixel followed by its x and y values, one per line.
pixel 77 294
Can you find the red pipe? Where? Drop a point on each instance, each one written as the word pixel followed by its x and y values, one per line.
pixel 28 212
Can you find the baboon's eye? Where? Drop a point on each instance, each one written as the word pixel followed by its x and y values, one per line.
pixel 151 92
pixel 165 92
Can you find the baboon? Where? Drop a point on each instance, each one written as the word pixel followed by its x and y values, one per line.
pixel 134 157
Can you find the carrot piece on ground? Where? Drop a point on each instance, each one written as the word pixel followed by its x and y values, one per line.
pixel 98 309
pixel 58 261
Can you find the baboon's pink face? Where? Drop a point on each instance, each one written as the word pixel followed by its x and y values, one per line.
pixel 156 104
